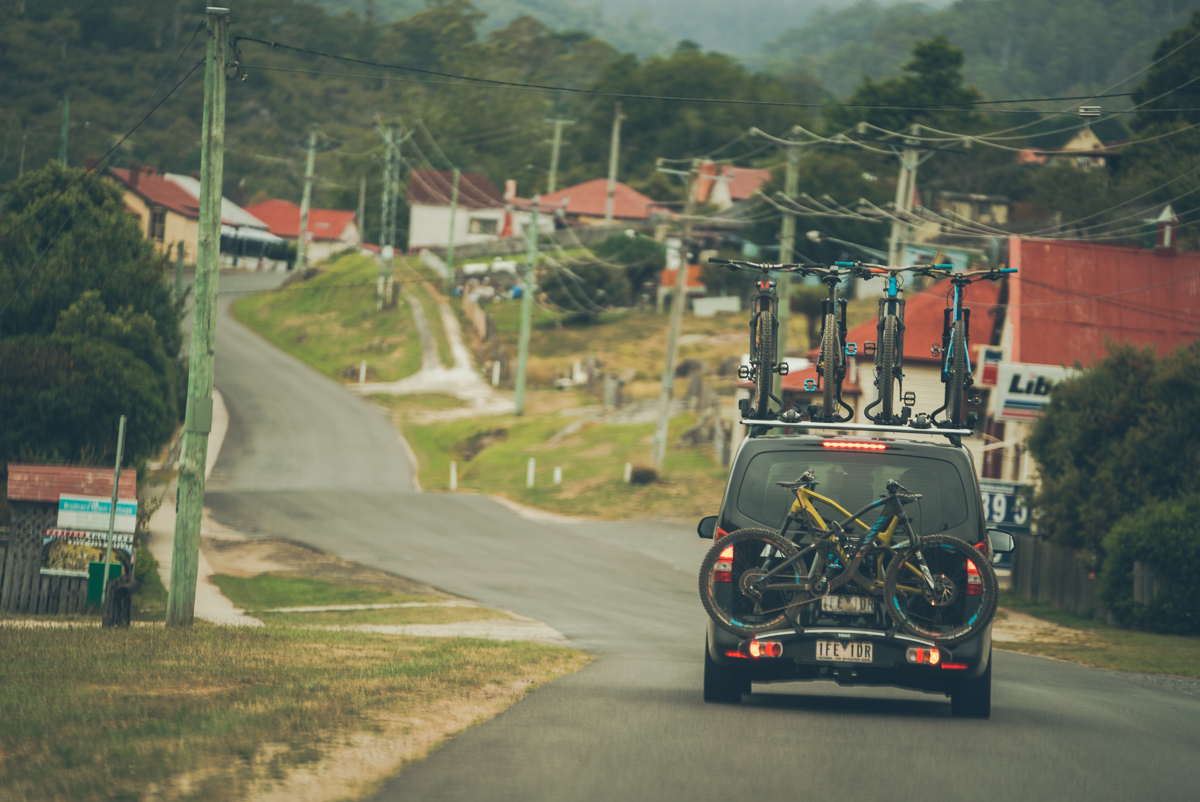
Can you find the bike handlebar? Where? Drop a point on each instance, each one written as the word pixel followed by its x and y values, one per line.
pixel 814 270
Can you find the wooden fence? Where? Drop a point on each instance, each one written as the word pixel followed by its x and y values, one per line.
pixel 24 589
pixel 1051 575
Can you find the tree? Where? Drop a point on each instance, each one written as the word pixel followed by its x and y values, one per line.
pixel 642 258
pixel 1168 93
pixel 88 330
pixel 1124 433
pixel 585 289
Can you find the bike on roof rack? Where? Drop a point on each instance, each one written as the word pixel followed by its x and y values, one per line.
pixel 764 325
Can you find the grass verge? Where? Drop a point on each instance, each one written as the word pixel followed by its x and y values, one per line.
pixel 330 322
pixel 218 713
pixel 491 454
pixel 1103 646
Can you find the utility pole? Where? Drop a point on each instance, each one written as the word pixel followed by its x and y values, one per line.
pixel 66 123
pixel 361 219
pixel 906 182
pixel 787 244
pixel 305 200
pixel 678 302
pixel 450 242
pixel 181 601
pixel 558 124
pixel 21 163
pixel 527 308
pixel 385 238
pixel 614 150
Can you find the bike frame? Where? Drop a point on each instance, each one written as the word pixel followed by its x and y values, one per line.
pixel 765 300
pixel 890 304
pixel 837 307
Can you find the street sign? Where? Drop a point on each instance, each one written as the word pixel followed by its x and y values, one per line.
pixel 91 513
pixel 1005 505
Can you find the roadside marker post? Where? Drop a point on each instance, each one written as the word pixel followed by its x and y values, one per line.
pixel 453 476
pixel 362 371
pixel 557 475
pixel 628 472
pixel 529 469
pixel 112 514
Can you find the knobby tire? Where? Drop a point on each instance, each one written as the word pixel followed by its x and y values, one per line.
pixel 958 619
pixel 829 361
pixel 763 371
pixel 957 379
pixel 887 366
pixel 732 610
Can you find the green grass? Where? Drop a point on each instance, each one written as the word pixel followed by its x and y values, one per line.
pixel 1103 646
pixel 592 460
pixel 270 590
pixel 331 322
pixel 396 616
pixel 90 713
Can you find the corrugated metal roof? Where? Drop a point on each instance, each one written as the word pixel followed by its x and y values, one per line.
pixel 47 482
pixel 1069 298
pixel 435 188
pixel 590 197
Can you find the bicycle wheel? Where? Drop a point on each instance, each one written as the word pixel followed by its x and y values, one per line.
pixel 729 581
pixel 764 337
pixel 957 378
pixel 887 366
pixel 962 601
pixel 829 366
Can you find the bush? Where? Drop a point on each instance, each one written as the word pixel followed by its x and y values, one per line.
pixel 1162 536
pixel 583 290
pixel 643 475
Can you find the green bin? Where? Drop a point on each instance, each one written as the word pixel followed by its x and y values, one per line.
pixel 96 577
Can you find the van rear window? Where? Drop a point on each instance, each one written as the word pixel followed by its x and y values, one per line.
pixel 855 480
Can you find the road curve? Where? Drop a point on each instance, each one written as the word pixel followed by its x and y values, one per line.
pixel 305 459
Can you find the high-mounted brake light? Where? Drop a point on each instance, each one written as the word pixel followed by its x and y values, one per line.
pixel 974 581
pixel 723 570
pixel 858 446
pixel 765 648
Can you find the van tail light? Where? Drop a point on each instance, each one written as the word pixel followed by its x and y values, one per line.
pixel 974 582
pixel 765 648
pixel 921 656
pixel 723 570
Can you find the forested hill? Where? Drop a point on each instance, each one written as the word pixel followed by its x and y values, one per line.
pixel 1013 48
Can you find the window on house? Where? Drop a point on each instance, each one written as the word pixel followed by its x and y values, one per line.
pixel 158 223
pixel 482 225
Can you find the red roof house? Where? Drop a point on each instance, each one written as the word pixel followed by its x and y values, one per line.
pixel 283 220
pixel 586 202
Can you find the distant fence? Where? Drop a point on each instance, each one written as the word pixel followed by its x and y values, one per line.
pixel 566 238
pixel 1050 575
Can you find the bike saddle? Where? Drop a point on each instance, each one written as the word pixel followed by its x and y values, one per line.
pixel 806 480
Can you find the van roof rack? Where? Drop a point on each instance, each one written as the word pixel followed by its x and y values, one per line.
pixel 952 434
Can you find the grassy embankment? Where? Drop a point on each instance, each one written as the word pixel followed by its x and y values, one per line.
pixel 1093 643
pixel 219 712
pixel 330 321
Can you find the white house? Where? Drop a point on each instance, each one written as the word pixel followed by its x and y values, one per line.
pixel 483 214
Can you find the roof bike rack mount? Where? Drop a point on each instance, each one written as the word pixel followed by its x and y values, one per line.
pixel 858 427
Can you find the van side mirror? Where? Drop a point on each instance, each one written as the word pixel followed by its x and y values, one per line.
pixel 706 527
pixel 1002 542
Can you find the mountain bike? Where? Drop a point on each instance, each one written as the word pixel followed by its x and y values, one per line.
pixel 933 586
pixel 889 345
pixel 764 331
pixel 956 339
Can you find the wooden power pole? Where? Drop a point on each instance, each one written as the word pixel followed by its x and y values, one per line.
pixel 614 152
pixel 677 304
pixel 527 308
pixel 554 148
pixel 787 245
pixel 181 601
pixel 305 201
pixel 450 241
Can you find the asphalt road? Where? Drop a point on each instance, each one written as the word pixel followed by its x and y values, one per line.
pixel 307 460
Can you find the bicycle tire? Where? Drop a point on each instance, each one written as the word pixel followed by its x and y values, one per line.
pixel 829 362
pixel 763 375
pixel 951 618
pixel 957 378
pixel 887 366
pixel 727 604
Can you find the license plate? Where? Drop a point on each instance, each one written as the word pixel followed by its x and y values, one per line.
pixel 847 604
pixel 844 651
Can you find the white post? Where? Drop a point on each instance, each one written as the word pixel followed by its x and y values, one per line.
pixel 529 474
pixel 362 371
pixel 496 373
pixel 453 476
pixel 557 475
pixel 628 472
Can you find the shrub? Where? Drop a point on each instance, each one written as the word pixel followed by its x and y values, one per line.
pixel 643 475
pixel 1162 536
